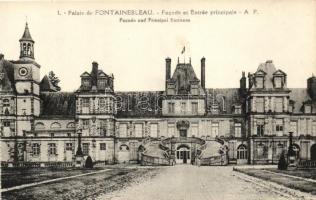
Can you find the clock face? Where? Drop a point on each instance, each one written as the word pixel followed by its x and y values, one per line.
pixel 23 71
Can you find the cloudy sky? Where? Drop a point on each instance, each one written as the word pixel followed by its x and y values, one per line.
pixel 135 53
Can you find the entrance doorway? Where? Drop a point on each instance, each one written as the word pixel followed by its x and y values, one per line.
pixel 313 152
pixel 183 154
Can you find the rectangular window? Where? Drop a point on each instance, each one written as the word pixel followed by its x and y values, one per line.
pixel 237 129
pixel 154 130
pixel 123 130
pixel 102 104
pixel 52 149
pixel 293 128
pixel 85 102
pixel 194 129
pixel 86 82
pixel 194 107
pixel 170 107
pixel 278 104
pixel 183 107
pixel 314 129
pixel 102 146
pixel 68 146
pixel 138 130
pixel 101 83
pixel 85 149
pixel 307 109
pixel 237 109
pixel 260 127
pixel 215 129
pixel 259 82
pixel 279 127
pixel 85 123
pixel 171 131
pixel 103 126
pixel 36 150
pixel 260 104
pixel 277 82
pixel 6 123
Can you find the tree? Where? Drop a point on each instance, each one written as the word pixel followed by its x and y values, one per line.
pixel 282 165
pixel 54 80
pixel 89 163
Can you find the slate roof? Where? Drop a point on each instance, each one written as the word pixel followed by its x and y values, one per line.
pixel 182 76
pixel 46 85
pixel 58 104
pixel 230 96
pixel 269 68
pixel 7 76
pixel 139 104
pixel 27 35
pixel 299 96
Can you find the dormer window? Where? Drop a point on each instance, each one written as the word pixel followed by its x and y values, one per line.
pixel 237 109
pixel 86 82
pixel 279 79
pixel 259 82
pixel 102 83
pixel 307 108
pixel 278 82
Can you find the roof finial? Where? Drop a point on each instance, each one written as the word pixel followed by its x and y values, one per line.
pixel 190 60
pixel 178 59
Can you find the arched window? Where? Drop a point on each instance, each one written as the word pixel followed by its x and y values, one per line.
pixel 39 126
pixel 296 150
pixel 55 125
pixel 242 152
pixel 70 125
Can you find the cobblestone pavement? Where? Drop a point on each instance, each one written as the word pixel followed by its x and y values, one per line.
pixel 186 182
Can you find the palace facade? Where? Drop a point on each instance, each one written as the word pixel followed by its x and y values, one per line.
pixel 185 123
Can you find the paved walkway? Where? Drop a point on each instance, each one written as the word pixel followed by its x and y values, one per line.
pixel 186 182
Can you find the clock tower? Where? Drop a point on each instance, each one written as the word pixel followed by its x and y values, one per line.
pixel 27 80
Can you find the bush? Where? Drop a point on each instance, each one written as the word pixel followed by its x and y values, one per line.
pixel 89 163
pixel 282 165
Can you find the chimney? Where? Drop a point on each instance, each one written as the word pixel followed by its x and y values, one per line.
pixel 311 87
pixel 242 83
pixel 203 73
pixel 1 56
pixel 94 73
pixel 168 68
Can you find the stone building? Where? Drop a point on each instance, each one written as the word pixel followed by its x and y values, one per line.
pixel 186 122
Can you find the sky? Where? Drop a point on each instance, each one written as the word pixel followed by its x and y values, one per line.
pixel 135 53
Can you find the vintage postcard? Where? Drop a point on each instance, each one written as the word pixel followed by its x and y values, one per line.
pixel 164 100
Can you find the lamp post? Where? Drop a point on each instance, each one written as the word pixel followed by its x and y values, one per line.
pixel 79 149
pixel 291 154
pixel 79 153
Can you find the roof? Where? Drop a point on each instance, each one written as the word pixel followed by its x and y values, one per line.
pixel 46 85
pixel 7 76
pixel 270 70
pixel 139 104
pixel 225 98
pixel 26 35
pixel 182 76
pixel 299 96
pixel 93 77
pixel 58 104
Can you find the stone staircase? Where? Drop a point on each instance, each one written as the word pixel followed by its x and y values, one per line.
pixel 162 152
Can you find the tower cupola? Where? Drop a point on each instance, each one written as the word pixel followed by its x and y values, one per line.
pixel 26 44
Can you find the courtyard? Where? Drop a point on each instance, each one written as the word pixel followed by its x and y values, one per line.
pixel 187 182
pixel 180 182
